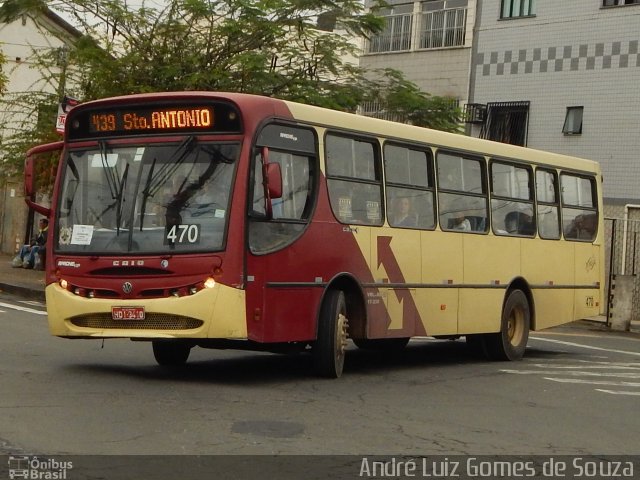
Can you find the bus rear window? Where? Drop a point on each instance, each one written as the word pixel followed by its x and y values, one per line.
pixel 579 210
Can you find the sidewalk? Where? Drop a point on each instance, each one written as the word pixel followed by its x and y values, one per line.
pixel 21 281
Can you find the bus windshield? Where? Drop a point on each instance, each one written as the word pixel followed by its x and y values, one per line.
pixel 155 198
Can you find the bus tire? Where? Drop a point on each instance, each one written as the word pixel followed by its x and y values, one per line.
pixel 511 341
pixel 382 344
pixel 328 350
pixel 171 353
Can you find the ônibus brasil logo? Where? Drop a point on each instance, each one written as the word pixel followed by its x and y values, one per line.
pixel 34 468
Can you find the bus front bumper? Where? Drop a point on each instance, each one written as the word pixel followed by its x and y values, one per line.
pixel 217 312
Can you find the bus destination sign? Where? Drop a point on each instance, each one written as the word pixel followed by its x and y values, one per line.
pixel 177 118
pixel 143 119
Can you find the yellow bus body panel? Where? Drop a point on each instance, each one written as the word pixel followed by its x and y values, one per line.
pixel 221 309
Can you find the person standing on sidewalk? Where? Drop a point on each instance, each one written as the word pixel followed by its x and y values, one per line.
pixel 28 252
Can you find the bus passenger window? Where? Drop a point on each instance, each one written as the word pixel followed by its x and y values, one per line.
pixel 548 222
pixel 353 179
pixel 579 209
pixel 520 223
pixel 463 192
pixel 410 192
pixel 582 227
pixel 404 215
pixel 548 204
pixel 512 200
pixel 462 213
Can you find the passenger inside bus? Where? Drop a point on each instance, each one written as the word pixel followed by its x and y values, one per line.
pixel 404 215
pixel 519 223
pixel 460 222
pixel 583 227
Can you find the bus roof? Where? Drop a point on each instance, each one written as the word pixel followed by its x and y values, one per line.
pixel 437 138
pixel 368 125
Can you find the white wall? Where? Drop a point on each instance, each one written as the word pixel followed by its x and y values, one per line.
pixel 596 65
pixel 18 41
pixel 441 72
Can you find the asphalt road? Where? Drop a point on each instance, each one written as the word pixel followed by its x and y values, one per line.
pixel 577 392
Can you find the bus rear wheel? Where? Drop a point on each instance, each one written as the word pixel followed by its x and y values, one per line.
pixel 329 349
pixel 171 353
pixel 511 341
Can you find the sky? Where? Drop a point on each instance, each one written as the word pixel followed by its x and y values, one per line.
pixel 129 3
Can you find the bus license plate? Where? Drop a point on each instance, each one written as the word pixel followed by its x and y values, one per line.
pixel 127 313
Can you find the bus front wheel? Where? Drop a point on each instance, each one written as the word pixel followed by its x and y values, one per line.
pixel 328 351
pixel 511 341
pixel 171 353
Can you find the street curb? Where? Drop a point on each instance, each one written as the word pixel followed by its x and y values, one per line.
pixel 26 292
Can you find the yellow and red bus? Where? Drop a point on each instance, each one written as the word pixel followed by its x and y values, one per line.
pixel 226 220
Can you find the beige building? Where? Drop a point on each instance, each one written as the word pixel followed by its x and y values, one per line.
pixel 429 41
pixel 22 41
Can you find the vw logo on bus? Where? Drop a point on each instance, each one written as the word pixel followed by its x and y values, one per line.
pixel 127 287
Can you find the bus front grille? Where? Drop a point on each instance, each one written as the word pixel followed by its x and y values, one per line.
pixel 152 321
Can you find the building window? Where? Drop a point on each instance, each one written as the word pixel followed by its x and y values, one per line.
pixel 573 121
pixel 507 122
pixel 396 35
pixel 443 23
pixel 517 8
pixel 616 3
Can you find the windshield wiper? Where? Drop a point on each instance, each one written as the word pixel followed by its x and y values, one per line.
pixel 166 170
pixel 108 171
pixel 116 188
pixel 121 186
pixel 145 192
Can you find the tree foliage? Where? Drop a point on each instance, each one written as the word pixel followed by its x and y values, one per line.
pixel 3 76
pixel 266 47
pixel 28 116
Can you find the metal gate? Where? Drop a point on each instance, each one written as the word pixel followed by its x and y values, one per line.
pixel 622 257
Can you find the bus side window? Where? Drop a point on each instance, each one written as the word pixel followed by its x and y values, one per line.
pixel 462 196
pixel 353 179
pixel 291 211
pixel 548 204
pixel 512 199
pixel 583 227
pixel 409 181
pixel 579 209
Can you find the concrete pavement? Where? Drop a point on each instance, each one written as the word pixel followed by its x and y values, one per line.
pixel 24 282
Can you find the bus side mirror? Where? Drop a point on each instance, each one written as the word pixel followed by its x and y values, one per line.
pixel 31 164
pixel 274 180
pixel 272 176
